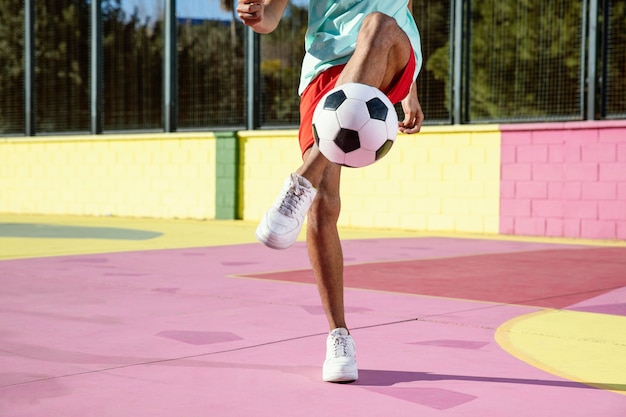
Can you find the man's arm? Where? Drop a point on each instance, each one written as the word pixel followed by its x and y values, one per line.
pixel 413 115
pixel 262 16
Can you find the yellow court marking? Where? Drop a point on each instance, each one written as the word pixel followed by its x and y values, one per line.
pixel 181 233
pixel 174 234
pixel 584 347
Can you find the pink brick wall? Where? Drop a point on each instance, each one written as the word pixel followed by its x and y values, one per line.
pixel 564 180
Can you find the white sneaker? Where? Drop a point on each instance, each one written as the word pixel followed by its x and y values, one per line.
pixel 340 363
pixel 282 223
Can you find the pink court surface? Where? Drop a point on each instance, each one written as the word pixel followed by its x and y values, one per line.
pixel 111 317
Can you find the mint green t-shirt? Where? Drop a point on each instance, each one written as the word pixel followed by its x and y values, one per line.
pixel 333 27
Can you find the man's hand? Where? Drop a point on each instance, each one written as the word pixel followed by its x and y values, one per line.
pixel 413 115
pixel 250 11
pixel 262 16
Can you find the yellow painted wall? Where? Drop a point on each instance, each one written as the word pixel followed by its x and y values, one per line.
pixel 443 179
pixel 266 159
pixel 139 175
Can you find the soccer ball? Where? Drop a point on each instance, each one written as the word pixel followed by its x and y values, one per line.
pixel 355 125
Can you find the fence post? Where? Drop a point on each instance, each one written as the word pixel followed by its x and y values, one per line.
pixel 456 57
pixel 253 79
pixel 606 19
pixel 592 54
pixel 170 77
pixel 96 98
pixel 29 68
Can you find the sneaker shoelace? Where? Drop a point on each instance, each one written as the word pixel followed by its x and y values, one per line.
pixel 340 346
pixel 293 197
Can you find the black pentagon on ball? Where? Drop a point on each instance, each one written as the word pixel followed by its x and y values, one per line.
pixel 382 151
pixel 348 140
pixel 334 100
pixel 377 109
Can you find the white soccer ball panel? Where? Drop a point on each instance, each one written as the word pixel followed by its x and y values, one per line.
pixel 392 124
pixel 359 91
pixel 331 151
pixel 373 134
pixel 326 124
pixel 352 114
pixel 360 158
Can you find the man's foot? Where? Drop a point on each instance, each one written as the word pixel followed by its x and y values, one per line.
pixel 282 223
pixel 340 363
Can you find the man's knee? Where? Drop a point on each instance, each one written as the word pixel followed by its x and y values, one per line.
pixel 379 26
pixel 378 20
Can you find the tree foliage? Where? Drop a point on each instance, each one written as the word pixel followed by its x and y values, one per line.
pixel 133 68
pixel 433 21
pixel 62 65
pixel 211 74
pixel 282 53
pixel 615 38
pixel 11 67
pixel 525 59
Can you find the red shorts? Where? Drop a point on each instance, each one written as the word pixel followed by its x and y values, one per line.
pixel 326 81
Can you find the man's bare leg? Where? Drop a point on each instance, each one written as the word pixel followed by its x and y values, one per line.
pixel 325 247
pixel 382 52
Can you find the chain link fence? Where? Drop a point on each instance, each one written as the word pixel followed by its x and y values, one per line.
pixel 484 61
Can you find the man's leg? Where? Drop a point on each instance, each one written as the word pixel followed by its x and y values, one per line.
pixel 382 52
pixel 324 245
pixel 327 260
